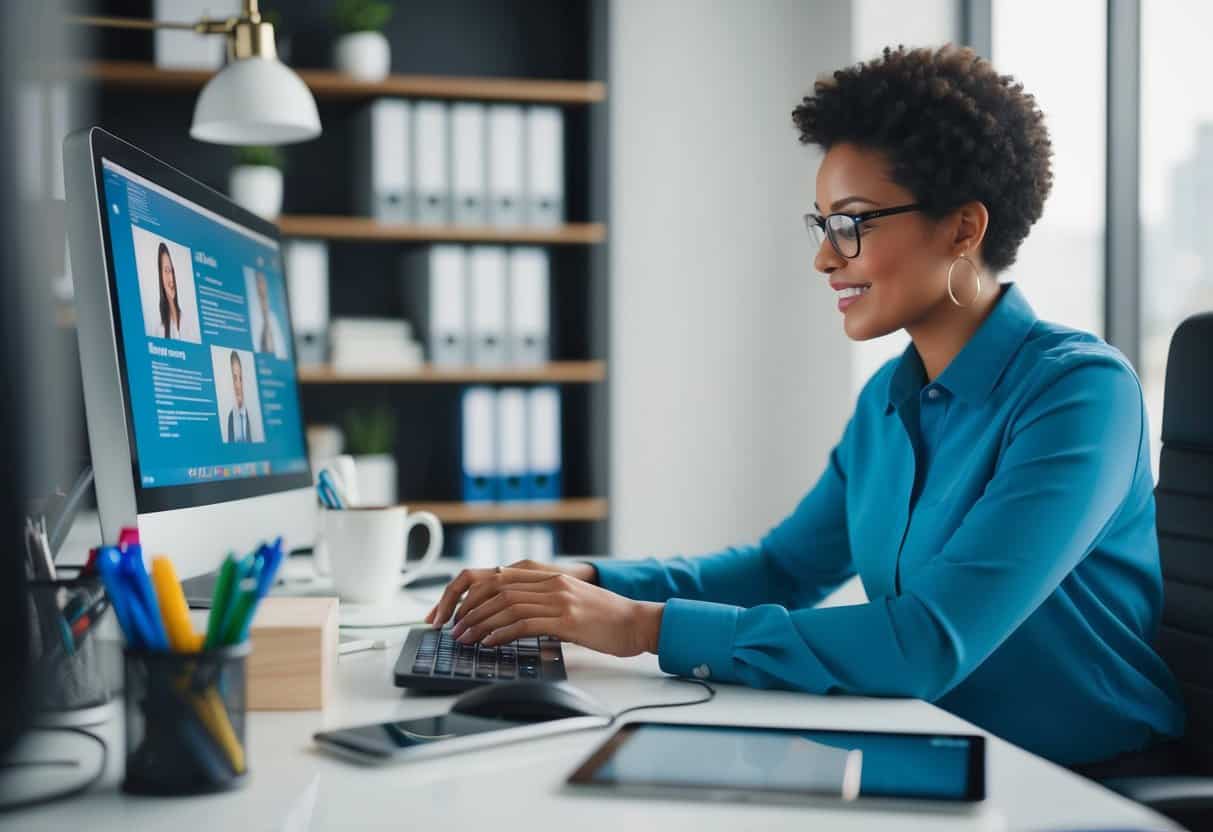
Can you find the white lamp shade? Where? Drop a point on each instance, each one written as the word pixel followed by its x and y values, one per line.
pixel 255 101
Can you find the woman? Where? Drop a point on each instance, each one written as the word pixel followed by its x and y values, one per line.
pixel 992 488
pixel 170 308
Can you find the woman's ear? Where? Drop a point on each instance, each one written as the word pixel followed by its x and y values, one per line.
pixel 971 224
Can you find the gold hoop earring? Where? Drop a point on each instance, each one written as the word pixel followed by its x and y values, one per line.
pixel 976 275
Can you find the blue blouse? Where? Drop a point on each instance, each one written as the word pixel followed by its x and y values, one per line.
pixel 1001 519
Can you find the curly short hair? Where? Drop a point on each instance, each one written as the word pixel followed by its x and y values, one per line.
pixel 954 130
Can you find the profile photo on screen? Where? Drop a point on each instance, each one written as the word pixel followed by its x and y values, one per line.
pixel 166 287
pixel 239 402
pixel 266 314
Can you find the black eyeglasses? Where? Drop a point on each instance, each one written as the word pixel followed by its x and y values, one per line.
pixel 842 230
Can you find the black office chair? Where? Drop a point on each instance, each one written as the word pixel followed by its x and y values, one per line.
pixel 1182 783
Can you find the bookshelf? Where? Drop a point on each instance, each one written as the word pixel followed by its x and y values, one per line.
pixel 365 229
pixel 330 85
pixel 555 372
pixel 557 511
pixel 551 52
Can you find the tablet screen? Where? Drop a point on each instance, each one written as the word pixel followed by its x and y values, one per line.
pixel 790 761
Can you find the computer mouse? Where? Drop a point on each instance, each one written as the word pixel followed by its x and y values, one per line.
pixel 528 701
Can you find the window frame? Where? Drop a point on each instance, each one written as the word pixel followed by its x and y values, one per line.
pixel 1122 183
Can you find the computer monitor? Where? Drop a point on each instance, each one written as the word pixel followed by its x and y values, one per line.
pixel 186 351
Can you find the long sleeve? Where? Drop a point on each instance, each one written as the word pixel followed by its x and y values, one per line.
pixel 796 564
pixel 1069 460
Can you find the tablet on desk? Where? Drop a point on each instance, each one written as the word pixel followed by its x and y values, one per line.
pixel 781 765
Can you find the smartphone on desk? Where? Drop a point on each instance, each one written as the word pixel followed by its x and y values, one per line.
pixel 435 736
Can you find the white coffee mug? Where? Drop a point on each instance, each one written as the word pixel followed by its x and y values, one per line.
pixel 367 547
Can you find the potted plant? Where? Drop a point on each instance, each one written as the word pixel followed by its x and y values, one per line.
pixel 362 51
pixel 370 436
pixel 256 180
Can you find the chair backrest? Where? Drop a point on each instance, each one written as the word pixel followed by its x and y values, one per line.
pixel 1185 528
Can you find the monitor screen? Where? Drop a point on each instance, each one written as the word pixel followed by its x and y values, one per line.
pixel 205 341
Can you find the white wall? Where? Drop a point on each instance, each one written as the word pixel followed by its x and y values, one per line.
pixel 730 373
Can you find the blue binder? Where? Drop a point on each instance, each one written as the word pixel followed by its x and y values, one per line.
pixel 512 455
pixel 543 448
pixel 479 444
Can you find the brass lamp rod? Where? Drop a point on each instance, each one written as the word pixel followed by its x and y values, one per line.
pixel 205 26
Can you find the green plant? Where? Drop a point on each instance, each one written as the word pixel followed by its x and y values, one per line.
pixel 370 431
pixel 361 15
pixel 259 155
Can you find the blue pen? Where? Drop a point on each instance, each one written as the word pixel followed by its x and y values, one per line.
pixel 334 493
pixel 328 497
pixel 269 571
pixel 108 563
pixel 144 608
pixel 322 494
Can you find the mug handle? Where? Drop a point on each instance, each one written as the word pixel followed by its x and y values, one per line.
pixel 434 525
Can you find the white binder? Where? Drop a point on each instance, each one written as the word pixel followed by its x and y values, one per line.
pixel 527 333
pixel 31 141
pixel 545 166
pixel 61 120
pixel 541 546
pixel 544 481
pixel 507 183
pixel 431 163
pixel 514 544
pixel 435 289
pixel 487 305
pixel 468 164
pixel 480 548
pixel 306 264
pixel 382 185
pixel 512 443
pixel 479 444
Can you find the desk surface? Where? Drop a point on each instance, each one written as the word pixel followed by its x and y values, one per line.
pixel 519 787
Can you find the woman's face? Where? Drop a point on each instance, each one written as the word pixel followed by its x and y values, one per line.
pixel 903 259
pixel 167 279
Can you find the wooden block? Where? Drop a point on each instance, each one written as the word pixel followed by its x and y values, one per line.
pixel 293 665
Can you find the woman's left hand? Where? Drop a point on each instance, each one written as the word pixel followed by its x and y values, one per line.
pixel 567 608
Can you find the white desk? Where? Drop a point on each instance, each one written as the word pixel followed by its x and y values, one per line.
pixel 519 787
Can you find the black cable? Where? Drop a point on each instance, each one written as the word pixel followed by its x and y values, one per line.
pixel 6 806
pixel 711 695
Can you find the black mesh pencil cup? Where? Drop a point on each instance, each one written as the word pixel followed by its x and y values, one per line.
pixel 185 717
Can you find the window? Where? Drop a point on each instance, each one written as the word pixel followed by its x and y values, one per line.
pixel 1063 64
pixel 1176 182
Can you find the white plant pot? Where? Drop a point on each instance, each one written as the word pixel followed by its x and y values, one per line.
pixel 257 188
pixel 376 479
pixel 366 56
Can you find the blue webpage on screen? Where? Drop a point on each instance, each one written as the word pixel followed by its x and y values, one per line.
pixel 206 339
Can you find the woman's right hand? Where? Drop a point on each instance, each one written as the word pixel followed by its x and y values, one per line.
pixel 481 584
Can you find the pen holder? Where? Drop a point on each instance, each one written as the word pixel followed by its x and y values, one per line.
pixel 185 715
pixel 73 669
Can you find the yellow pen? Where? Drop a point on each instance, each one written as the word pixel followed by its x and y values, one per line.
pixel 209 708
pixel 174 611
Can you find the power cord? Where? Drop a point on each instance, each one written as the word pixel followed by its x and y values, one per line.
pixel 710 696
